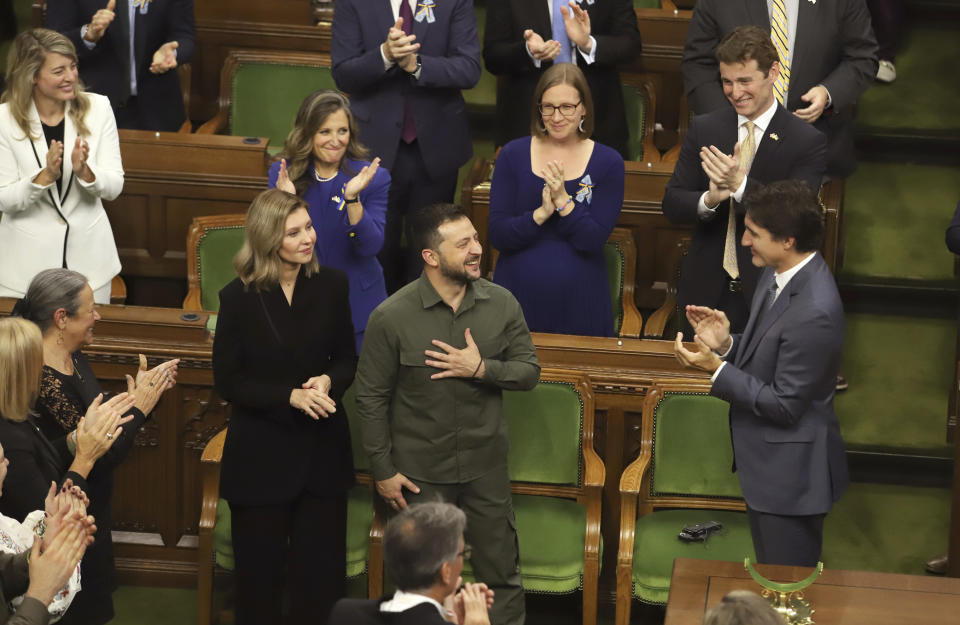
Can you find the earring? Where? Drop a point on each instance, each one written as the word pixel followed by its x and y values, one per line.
pixel 543 127
pixel 60 336
pixel 581 124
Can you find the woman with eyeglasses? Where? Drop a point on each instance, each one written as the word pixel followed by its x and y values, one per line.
pixel 554 198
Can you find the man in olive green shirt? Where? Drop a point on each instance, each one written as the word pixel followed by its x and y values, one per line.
pixel 435 357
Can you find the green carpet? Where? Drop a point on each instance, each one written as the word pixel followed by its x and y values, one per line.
pixel 895 215
pixel 890 529
pixel 900 370
pixel 140 605
pixel 926 91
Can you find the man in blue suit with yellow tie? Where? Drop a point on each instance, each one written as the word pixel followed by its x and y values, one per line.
pixel 779 376
pixel 404 63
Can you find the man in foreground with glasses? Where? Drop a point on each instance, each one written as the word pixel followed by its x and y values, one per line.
pixel 423 553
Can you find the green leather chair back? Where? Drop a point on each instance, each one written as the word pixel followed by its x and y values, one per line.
pixel 692 451
pixel 636 108
pixel 215 252
pixel 646 4
pixel 545 427
pixel 613 256
pixel 266 96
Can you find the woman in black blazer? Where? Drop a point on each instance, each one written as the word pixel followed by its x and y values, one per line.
pixel 283 355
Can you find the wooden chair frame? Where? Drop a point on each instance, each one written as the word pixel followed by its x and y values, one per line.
pixel 645 86
pixel 198 230
pixel 632 319
pixel 658 319
pixel 236 58
pixel 636 499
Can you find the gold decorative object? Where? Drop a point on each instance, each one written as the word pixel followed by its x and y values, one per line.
pixel 787 599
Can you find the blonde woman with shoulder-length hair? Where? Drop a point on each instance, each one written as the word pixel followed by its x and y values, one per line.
pixel 34 461
pixel 324 163
pixel 283 355
pixel 59 157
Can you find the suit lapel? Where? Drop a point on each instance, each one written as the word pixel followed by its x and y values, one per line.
pixel 141 56
pixel 807 22
pixel 763 284
pixel 423 27
pixel 765 156
pixel 69 138
pixel 40 149
pixel 536 16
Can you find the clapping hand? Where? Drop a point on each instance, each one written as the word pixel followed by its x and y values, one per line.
pixel 456 363
pixel 78 158
pixel 711 325
pixel 472 603
pixel 577 24
pixel 553 176
pixel 165 58
pixel 51 567
pixel 401 48
pixel 539 49
pixel 724 173
pixel 99 22
pixel 360 182
pixel 283 178
pixel 51 173
pixel 702 358
pixel 63 506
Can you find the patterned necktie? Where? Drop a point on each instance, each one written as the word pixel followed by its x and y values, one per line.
pixel 779 31
pixel 747 148
pixel 560 32
pixel 409 132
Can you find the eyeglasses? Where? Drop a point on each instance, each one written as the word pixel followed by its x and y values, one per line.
pixel 567 110
pixel 466 553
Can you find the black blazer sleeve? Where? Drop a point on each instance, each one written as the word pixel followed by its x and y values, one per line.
pixel 618 39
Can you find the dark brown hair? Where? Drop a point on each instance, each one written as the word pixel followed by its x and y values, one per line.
pixel 562 74
pixel 746 43
pixel 742 607
pixel 788 208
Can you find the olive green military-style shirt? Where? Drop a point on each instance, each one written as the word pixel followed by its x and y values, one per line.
pixel 450 430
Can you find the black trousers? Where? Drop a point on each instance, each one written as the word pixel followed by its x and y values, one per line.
pixel 789 540
pixel 297 549
pixel 411 188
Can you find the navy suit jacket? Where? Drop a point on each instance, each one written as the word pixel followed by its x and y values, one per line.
pixel 835 47
pixel 614 26
pixel 797 153
pixel 450 58
pixel 780 379
pixel 105 69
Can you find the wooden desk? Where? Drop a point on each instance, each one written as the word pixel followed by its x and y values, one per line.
pixel 839 597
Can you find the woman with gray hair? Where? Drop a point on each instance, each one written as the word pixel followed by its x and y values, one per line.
pixel 60 302
pixel 59 157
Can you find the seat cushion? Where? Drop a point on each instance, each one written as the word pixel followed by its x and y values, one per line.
pixel 359 519
pixel 656 546
pixel 222 537
pixel 551 533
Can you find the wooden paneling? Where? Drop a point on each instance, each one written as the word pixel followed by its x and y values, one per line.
pixel 170 179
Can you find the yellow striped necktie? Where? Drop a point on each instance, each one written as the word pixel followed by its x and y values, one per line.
pixel 779 33
pixel 747 148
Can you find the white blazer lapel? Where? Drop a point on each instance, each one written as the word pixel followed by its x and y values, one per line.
pixel 69 138
pixel 40 149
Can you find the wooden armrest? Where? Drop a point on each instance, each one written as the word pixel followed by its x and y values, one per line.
pixel 118 290
pixel 192 300
pixel 213 452
pixel 658 319
pixel 214 125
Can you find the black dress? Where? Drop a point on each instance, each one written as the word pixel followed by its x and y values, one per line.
pixel 63 400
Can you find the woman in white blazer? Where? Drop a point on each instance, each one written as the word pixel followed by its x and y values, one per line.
pixel 59 156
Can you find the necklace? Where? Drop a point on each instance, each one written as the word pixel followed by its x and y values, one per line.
pixel 316 174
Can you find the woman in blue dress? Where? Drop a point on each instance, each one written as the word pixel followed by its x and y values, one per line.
pixel 554 198
pixel 324 163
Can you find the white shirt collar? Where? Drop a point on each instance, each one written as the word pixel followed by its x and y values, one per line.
pixel 783 278
pixel 763 120
pixel 403 601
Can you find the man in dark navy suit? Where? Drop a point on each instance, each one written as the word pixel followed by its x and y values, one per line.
pixel 726 155
pixel 779 376
pixel 129 51
pixel 404 63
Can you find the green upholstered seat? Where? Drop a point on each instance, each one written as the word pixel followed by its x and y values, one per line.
pixel 215 251
pixel 635 104
pixel 683 476
pixel 222 537
pixel 656 546
pixel 266 96
pixel 556 479
pixel 614 259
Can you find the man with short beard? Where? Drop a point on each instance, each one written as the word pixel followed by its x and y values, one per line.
pixel 435 358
